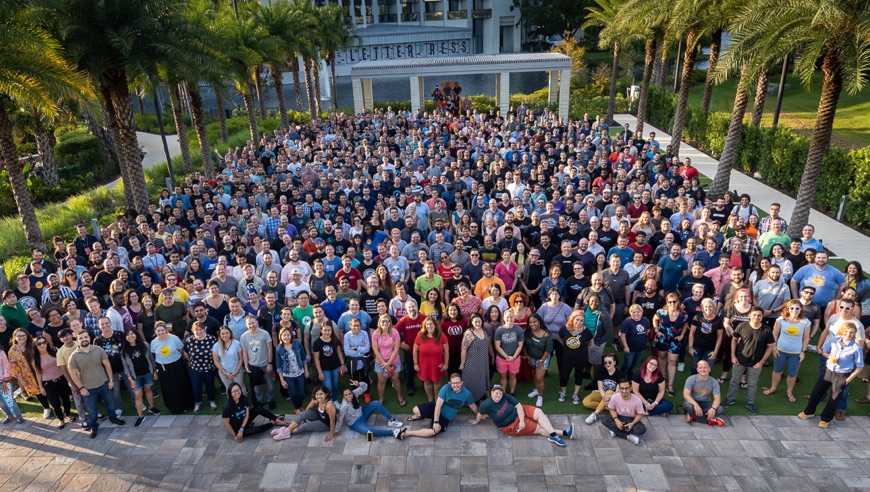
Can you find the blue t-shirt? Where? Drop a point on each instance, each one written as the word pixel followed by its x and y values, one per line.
pixel 826 281
pixel 625 254
pixel 635 334
pixel 672 271
pixel 453 401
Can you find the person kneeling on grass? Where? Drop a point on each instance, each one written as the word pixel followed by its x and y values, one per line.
pixel 516 419
pixel 356 415
pixel 442 410
pixel 626 413
pixel 702 400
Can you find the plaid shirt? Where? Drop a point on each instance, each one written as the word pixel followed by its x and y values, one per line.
pixel 271 225
pixel 91 322
pixel 750 247
pixel 764 225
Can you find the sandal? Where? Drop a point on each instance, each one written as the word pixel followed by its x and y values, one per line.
pixel 790 397
pixel 670 392
pixel 744 385
pixel 403 403
pixel 722 380
pixel 196 410
pixel 862 400
pixel 401 434
pixel 414 418
pixel 768 392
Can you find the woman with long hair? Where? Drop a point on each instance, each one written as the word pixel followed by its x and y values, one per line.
pixel 670 325
pixel 431 357
pixel 356 415
pixel 386 342
pixel 475 357
pixel 649 385
pixel 216 304
pixel 139 371
pixel 24 369
pixel 133 303
pixel 55 387
pixel 328 358
pixel 291 367
pixel 734 314
pixel 320 415
pixel 468 302
pixel 7 400
pixel 171 370
pixel 145 319
pixel 520 256
pixel 227 355
pixel 495 298
pixel 792 333
pixel 537 352
pixel 778 258
pixel 385 280
pixel 855 277
pixel 432 306
pixel 239 417
pixel 507 270
pixel 453 326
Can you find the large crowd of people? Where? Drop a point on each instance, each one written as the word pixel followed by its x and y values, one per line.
pixel 388 250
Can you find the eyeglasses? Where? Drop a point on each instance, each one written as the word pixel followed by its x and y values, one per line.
pixel 846 308
pixel 794 308
pixel 624 389
pixel 610 362
pixel 385 322
pixel 41 343
pixel 672 302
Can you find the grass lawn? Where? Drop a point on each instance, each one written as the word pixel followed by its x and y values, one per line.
pixel 851 126
pixel 768 405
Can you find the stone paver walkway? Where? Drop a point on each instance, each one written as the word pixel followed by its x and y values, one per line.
pixel 195 453
pixel 843 241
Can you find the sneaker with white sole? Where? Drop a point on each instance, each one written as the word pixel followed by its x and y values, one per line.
pixel 633 438
pixel 46 414
pixel 139 421
pixel 556 440
pixel 394 423
pixel 284 433
pixel 539 402
pixel 591 418
pixel 569 432
pixel 612 434
pixel 681 367
pixel 576 399
pixel 561 396
pixel 533 394
pixel 118 413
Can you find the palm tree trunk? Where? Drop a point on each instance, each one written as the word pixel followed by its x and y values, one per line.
pixel 683 100
pixel 199 126
pixel 104 137
pixel 732 141
pixel 258 84
pixel 279 92
pixel 760 97
pixel 248 98
pixel 662 74
pixel 614 74
pixel 309 89
pixel 132 154
pixel 832 86
pixel 20 193
pixel 648 68
pixel 180 128
pixel 297 87
pixel 111 119
pixel 139 100
pixel 315 77
pixel 46 152
pixel 222 113
pixel 332 75
pixel 715 47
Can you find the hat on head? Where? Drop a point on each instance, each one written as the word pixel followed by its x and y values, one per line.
pixel 296 271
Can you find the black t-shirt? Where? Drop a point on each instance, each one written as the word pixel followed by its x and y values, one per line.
pixel 368 302
pixel 576 346
pixel 236 412
pixel 573 287
pixel 752 343
pixel 706 332
pixel 53 332
pixel 566 263
pixel 650 304
pixel 328 354
pixel 686 284
pixel 32 299
pixel 112 345
pixel 649 391
pixel 212 326
pixel 139 359
pixel 609 381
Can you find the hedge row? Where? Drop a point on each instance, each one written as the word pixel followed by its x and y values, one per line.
pixel 779 155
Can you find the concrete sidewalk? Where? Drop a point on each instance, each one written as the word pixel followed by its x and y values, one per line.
pixel 842 240
pixel 152 146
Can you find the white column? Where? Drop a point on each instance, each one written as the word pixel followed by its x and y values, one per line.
pixel 503 88
pixel 497 89
pixel 368 101
pixel 421 17
pixel 352 10
pixel 553 92
pixel 446 7
pixel 416 93
pixel 564 92
pixel 399 12
pixel 357 95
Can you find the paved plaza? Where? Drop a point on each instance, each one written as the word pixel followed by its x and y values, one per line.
pixel 195 453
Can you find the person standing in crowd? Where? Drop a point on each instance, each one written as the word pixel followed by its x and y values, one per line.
pixel 257 358
pixel 139 369
pixel 24 369
pixel 291 367
pixel 845 361
pixel 54 385
pixel 751 345
pixel 198 352
pixel 91 372
pixel 171 370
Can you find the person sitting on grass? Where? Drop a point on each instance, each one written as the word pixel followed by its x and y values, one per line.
pixel 516 419
pixel 701 397
pixel 442 410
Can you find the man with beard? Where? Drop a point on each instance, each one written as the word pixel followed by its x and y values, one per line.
pixel 91 372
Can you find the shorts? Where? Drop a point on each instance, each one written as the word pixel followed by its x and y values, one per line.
pixel 143 381
pixel 546 363
pixel 596 353
pixel 427 411
pixel 793 362
pixel 502 365
pixel 395 367
pixel 529 417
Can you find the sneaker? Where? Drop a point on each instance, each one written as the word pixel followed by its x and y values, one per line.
pixel 753 410
pixel 715 422
pixel 823 424
pixel 612 434
pixel 72 418
pixel 804 416
pixel 533 394
pixel 101 417
pixel 575 399
pixel 46 414
pixel 591 418
pixel 539 402
pixel 633 438
pixel 561 396
pixel 85 425
pixel 93 433
pixel 154 411
pixel 139 421
pixel 282 434
pixel 681 367
pixel 118 413
pixel 690 418
pixel 400 433
pixel 569 432
pixel 8 420
pixel 394 423
pixel 728 403
pixel 556 440
pixel 117 421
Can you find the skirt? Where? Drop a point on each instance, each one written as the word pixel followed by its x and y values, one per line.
pixel 175 386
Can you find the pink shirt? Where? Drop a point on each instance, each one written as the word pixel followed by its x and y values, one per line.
pixel 50 369
pixel 506 274
pixel 386 342
pixel 627 408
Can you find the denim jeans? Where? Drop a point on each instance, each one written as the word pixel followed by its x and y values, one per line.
pixel 197 379
pixel 296 388
pixel 330 380
pixel 630 361
pixel 8 404
pixel 844 400
pixel 92 398
pixel 664 406
pixel 706 355
pixel 361 425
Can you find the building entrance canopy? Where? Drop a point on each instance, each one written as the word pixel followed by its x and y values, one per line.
pixel 501 65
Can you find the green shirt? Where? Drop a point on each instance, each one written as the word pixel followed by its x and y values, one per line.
pixel 16 316
pixel 424 284
pixel 303 316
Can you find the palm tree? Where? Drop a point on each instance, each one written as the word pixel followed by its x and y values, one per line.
pixel 831 31
pixel 33 73
pixel 722 181
pixel 336 35
pixel 45 148
pixel 603 14
pixel 760 97
pixel 282 22
pixel 221 110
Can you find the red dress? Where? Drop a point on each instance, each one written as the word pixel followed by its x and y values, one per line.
pixel 430 358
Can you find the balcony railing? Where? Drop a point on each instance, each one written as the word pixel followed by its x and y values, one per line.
pixel 457 14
